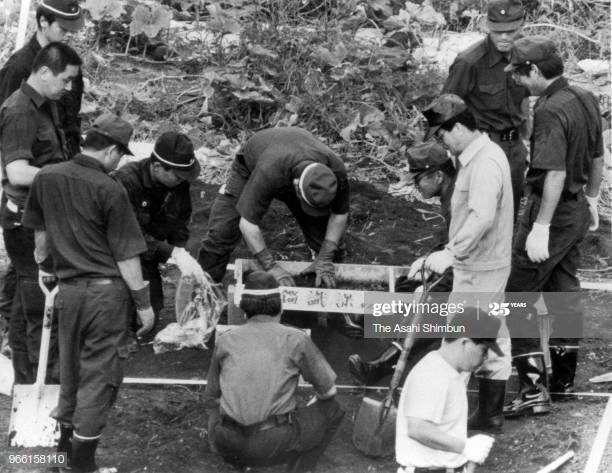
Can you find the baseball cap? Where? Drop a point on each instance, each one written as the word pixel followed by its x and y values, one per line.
pixel 441 110
pixel 175 151
pixel 478 326
pixel 115 128
pixel 425 157
pixel 529 50
pixel 261 294
pixel 317 189
pixel 505 15
pixel 67 13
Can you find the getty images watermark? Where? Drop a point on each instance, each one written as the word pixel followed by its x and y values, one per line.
pixel 399 314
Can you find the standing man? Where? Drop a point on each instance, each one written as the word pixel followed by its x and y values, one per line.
pixel 499 104
pixel 291 165
pixel 431 429
pixel 83 220
pixel 54 18
pixel 480 237
pixel 158 188
pixel 563 183
pixel 433 174
pixel 30 138
pixel 252 385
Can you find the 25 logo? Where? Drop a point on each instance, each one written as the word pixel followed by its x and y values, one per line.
pixel 499 309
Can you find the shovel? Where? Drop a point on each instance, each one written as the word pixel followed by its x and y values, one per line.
pixel 31 424
pixel 374 428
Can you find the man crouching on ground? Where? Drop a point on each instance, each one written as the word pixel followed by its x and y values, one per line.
pixel 252 385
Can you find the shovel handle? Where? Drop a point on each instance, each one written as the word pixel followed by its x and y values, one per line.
pixel 45 337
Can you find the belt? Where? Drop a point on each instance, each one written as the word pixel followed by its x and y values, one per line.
pixel 89 281
pixel 417 469
pixel 269 423
pixel 510 134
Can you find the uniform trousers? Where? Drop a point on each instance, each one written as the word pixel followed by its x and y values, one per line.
pixel 517 158
pixel 93 348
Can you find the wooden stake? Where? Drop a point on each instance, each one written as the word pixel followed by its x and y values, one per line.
pixel 557 463
pixel 23 24
pixel 601 439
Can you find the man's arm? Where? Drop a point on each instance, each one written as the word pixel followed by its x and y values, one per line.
pixel 430 435
pixel 21 172
pixel 131 272
pixel 336 226
pixel 551 193
pixel 460 79
pixel 595 176
pixel 252 235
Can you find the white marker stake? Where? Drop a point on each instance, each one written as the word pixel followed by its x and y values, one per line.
pixel 23 24
pixel 557 463
pixel 601 439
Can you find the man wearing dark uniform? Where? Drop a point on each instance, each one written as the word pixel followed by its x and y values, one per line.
pixel 563 183
pixel 252 385
pixel 158 188
pixel 433 173
pixel 291 165
pixel 498 103
pixel 83 220
pixel 30 138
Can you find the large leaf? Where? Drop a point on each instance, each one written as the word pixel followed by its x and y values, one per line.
pixel 149 21
pixel 100 9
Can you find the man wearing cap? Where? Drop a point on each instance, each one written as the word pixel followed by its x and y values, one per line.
pixel 252 385
pixel 433 173
pixel 498 103
pixel 30 139
pixel 54 19
pixel 291 165
pixel 480 236
pixel 83 220
pixel 158 188
pixel 431 427
pixel 563 188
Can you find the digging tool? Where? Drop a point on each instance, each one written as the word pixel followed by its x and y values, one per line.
pixel 30 424
pixel 374 429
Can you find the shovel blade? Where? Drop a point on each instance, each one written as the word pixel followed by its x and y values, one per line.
pixel 369 435
pixel 31 424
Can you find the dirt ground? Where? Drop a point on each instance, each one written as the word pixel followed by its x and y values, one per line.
pixel 163 429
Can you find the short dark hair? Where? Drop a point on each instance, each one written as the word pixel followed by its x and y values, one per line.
pixel 97 141
pixel 551 67
pixel 56 56
pixel 466 118
pixel 42 12
pixel 261 305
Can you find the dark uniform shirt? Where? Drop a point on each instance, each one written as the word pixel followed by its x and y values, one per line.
pixel 567 136
pixel 87 216
pixel 28 130
pixel 477 76
pixel 272 159
pixel 255 369
pixel 18 68
pixel 163 214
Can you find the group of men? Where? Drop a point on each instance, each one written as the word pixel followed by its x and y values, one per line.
pixel 68 214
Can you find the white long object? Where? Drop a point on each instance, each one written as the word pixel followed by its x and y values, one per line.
pixel 557 463
pixel 23 24
pixel 601 440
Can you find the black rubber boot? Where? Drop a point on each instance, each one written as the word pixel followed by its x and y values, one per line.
pixel 24 371
pixel 489 416
pixel 533 396
pixel 83 458
pixel 564 361
pixel 349 325
pixel 369 372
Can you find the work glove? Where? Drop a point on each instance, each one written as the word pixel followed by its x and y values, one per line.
pixel 415 272
pixel 439 261
pixel 537 243
pixel 187 264
pixel 477 448
pixel 592 201
pixel 267 262
pixel 323 265
pixel 146 318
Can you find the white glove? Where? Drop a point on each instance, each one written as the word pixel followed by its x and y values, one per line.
pixel 477 448
pixel 187 264
pixel 414 274
pixel 537 243
pixel 439 261
pixel 592 201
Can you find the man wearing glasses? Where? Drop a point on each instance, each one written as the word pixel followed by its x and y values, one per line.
pixel 480 236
